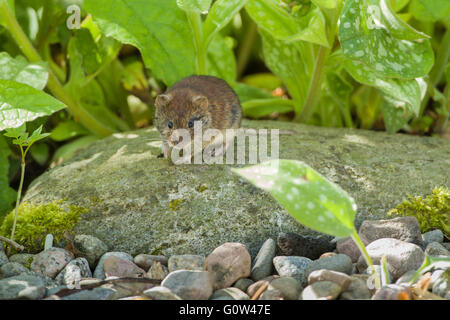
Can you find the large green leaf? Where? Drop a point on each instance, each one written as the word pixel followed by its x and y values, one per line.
pixel 7 195
pixel 198 6
pixel 308 196
pixel 19 70
pixel 438 9
pixel 370 33
pixel 221 61
pixel 159 29
pixel 218 17
pixel 11 5
pixel 394 117
pixel 20 103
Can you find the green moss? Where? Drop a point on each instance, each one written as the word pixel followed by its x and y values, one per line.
pixel 432 212
pixel 201 188
pixel 34 222
pixel 175 204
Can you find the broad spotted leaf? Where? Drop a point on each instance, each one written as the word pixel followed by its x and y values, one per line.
pixel 221 61
pixel 19 70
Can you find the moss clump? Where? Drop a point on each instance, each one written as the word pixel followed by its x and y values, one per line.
pixel 432 212
pixel 175 204
pixel 34 222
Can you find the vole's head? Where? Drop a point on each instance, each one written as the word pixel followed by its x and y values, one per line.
pixel 180 110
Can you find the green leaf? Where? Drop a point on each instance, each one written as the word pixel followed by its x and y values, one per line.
pixel 11 5
pixel 7 194
pixel 40 153
pixel 15 133
pixel 372 35
pixel 308 196
pixel 407 93
pixel 67 130
pixel 398 5
pixel 19 70
pixel 326 4
pixel 265 107
pixel 159 29
pixel 438 9
pixel 395 118
pixel 21 103
pixel 199 6
pixel 221 61
pixel 37 135
pixel 219 16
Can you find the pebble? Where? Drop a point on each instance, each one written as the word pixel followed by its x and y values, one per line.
pixel 98 293
pixel 327 254
pixel 357 290
pixel 432 236
pixel 157 271
pixel 293 244
pixel 253 288
pixel 243 284
pixel 12 269
pixel 321 290
pixel 441 286
pixel 292 266
pixel 73 272
pixel 229 294
pixel 348 246
pixel 3 256
pixel 50 262
pixel 127 288
pixel 405 278
pixel 289 287
pixel 263 265
pixel 436 249
pixel 446 245
pixel 24 259
pixel 392 292
pixel 271 294
pixel 340 263
pixel 90 247
pixel 400 256
pixel 145 261
pixel 161 293
pixel 117 267
pixel 99 271
pixel 402 228
pixel 190 284
pixel 435 276
pixel 23 286
pixel 186 262
pixel 340 278
pixel 228 263
pixel 380 273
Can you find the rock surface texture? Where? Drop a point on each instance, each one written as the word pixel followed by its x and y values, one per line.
pixel 139 203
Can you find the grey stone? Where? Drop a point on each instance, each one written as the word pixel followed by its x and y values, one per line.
pixel 446 245
pixel 190 285
pixel 263 265
pixel 11 269
pixel 161 293
pixel 146 204
pixel 405 278
pixel 400 256
pixel 186 262
pixel 23 286
pixel 271 294
pixel 295 267
pixel 145 261
pixel 121 268
pixel 321 290
pixel 433 236
pixel 293 244
pixel 357 290
pixel 99 271
pixel 289 287
pixel 24 259
pixel 51 261
pixel 348 246
pixel 391 292
pixel 229 294
pixel 436 249
pixel 243 284
pixel 435 276
pixel 73 272
pixel 3 256
pixel 342 279
pixel 98 293
pixel 157 271
pixel 254 287
pixel 339 263
pixel 441 286
pixel 402 228
pixel 92 248
pixel 380 273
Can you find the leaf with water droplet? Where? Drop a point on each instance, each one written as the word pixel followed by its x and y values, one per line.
pixel 309 197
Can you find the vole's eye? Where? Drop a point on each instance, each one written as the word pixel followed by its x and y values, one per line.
pixel 170 124
pixel 191 124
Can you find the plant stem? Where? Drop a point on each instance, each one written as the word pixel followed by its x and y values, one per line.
pixel 366 256
pixel 195 21
pixel 246 48
pixel 314 91
pixel 12 243
pixel 53 83
pixel 19 192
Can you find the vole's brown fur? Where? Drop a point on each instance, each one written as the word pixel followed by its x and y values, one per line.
pixel 196 98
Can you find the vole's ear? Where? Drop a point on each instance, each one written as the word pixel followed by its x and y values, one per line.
pixel 200 101
pixel 162 100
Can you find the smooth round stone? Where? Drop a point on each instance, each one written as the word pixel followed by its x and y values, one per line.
pixel 23 286
pixel 391 292
pixel 348 246
pixel 322 290
pixel 145 261
pixel 263 265
pixel 292 266
pixel 186 262
pixel 117 267
pixel 271 294
pixel 24 259
pixel 12 269
pixel 357 290
pixel 340 263
pixel 190 284
pixel 73 272
pixel 229 294
pixel 253 288
pixel 433 236
pixel 98 293
pixel 340 278
pixel 161 293
pixel 405 278
pixel 436 249
pixel 50 262
pixel 289 287
pixel 91 248
pixel 99 271
pixel 243 284
pixel 441 286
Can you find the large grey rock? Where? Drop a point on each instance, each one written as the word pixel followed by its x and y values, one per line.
pixel 190 285
pixel 139 203
pixel 99 271
pixel 23 286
